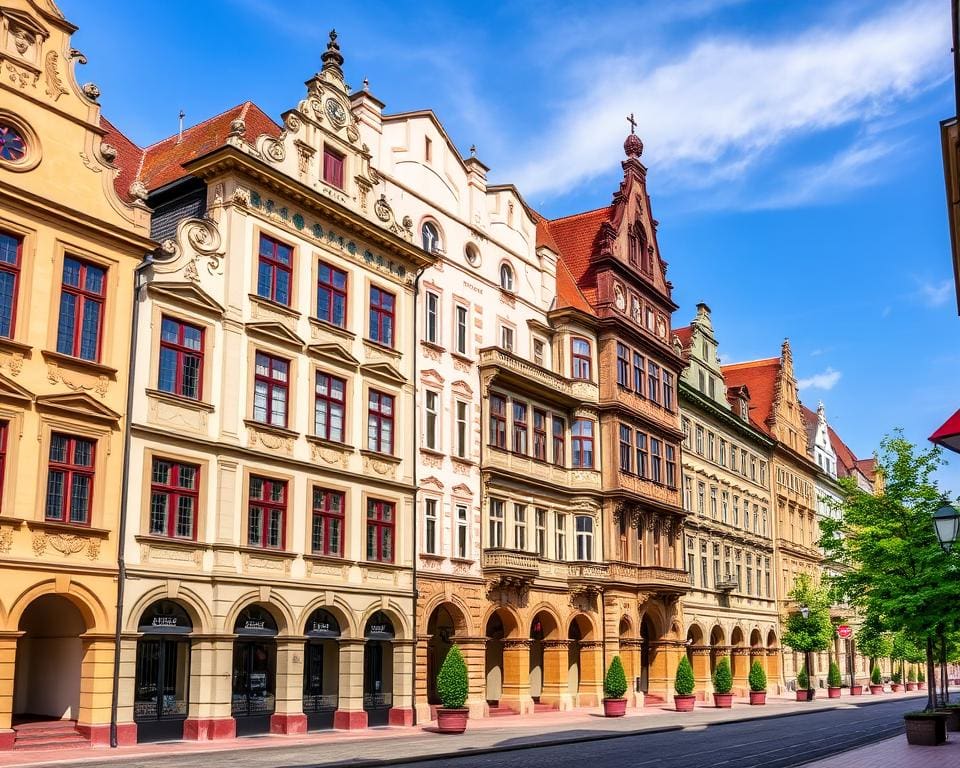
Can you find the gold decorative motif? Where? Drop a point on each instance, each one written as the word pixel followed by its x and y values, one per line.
pixel 6 539
pixel 55 375
pixel 269 440
pixel 21 77
pixel 93 549
pixel 90 164
pixel 14 363
pixel 55 87
pixel 39 543
pixel 66 544
pixel 329 456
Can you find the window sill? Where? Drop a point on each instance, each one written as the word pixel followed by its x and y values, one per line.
pixel 9 520
pixel 181 400
pixel 313 557
pixel 432 556
pixel 89 366
pixel 376 346
pixel 383 565
pixel 336 330
pixel 463 460
pixel 462 358
pixel 432 345
pixel 54 525
pixel 11 345
pixel 325 443
pixel 432 452
pixel 276 306
pixel 389 457
pixel 279 554
pixel 462 560
pixel 280 431
pixel 166 541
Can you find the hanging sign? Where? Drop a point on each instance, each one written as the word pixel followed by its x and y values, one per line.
pixel 844 632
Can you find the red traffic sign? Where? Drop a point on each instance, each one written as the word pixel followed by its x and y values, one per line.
pixel 844 632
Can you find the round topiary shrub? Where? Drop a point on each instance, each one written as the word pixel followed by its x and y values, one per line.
pixel 684 683
pixel 803 680
pixel 876 676
pixel 452 681
pixel 833 676
pixel 896 677
pixel 722 677
pixel 912 675
pixel 920 676
pixel 615 681
pixel 757 677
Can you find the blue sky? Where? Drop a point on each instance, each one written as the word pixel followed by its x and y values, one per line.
pixel 793 148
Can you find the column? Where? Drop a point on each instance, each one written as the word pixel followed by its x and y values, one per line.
pixel 516 675
pixel 556 691
pixel 350 714
pixel 8 659
pixel 209 715
pixel 630 656
pixel 664 658
pixel 701 671
pixel 288 714
pixel 474 654
pixel 773 670
pixel 740 666
pixel 126 727
pixel 422 654
pixel 591 673
pixel 401 713
pixel 96 687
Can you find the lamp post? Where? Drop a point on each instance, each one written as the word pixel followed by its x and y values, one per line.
pixel 805 612
pixel 946 522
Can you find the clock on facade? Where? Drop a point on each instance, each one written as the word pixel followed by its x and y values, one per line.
pixel 336 112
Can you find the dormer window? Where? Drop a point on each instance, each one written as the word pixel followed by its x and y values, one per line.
pixel 431 237
pixel 333 167
pixel 744 410
pixel 506 277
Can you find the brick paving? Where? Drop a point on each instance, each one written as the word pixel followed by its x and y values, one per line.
pixel 896 753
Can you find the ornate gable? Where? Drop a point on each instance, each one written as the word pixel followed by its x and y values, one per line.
pixel 786 415
pixel 703 371
pixel 334 353
pixel 276 332
pixel 384 372
pixel 78 404
pixel 10 390
pixel 187 295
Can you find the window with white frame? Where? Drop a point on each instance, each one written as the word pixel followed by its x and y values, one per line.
pixel 431 526
pixel 561 532
pixel 461 324
pixel 496 523
pixel 461 428
pixel 584 525
pixel 506 277
pixel 506 338
pixel 520 526
pixel 541 531
pixel 431 237
pixel 431 416
pixel 462 542
pixel 432 321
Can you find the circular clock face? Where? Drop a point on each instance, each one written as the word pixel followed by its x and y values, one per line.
pixel 336 112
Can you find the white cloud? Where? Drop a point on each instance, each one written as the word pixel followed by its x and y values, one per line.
pixel 712 112
pixel 936 294
pixel 824 380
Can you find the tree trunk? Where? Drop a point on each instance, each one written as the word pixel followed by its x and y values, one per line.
pixel 931 676
pixel 944 681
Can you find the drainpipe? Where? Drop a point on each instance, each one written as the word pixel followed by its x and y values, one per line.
pixel 416 490
pixel 124 495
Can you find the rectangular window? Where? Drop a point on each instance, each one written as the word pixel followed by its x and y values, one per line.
pixel 656 460
pixel 431 416
pixel 81 309
pixel 274 270
pixel 327 522
pixel 736 510
pixel 329 407
pixel 3 454
pixel 498 421
pixel 541 532
pixel 181 358
pixel 462 532
pixel 699 443
pixel 668 391
pixel 722 458
pixel 539 434
pixel 462 428
pixel 266 513
pixel 580 359
pixel 685 426
pixel 430 529
pixel 382 305
pixel 461 323
pixel 753 468
pixel 333 168
pixel 584 527
pixel 11 251
pixel 380 422
pixel 638 373
pixel 559 428
pixel 671 466
pixel 710 445
pixel 713 502
pixel 724 504
pixel 538 352
pixel 506 338
pixel 520 428
pixel 332 295
pixel 582 443
pixel 519 526
pixel 380 531
pixel 701 498
pixel 687 493
pixel 641 444
pixel 561 536
pixel 432 325
pixel 270 390
pixel 623 366
pixel 70 479
pixel 496 523
pixel 626 448
pixel 653 379
pixel 173 499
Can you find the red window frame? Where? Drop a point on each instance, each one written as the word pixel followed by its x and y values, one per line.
pixel 272 383
pixel 275 264
pixel 671 466
pixel 381 527
pixel 380 413
pixel 656 461
pixel 641 446
pixel 623 365
pixel 174 493
pixel 181 351
pixel 559 441
pixel 383 306
pixel 4 425
pixel 329 287
pixel 580 362
pixel 70 472
pixel 333 167
pixel 519 437
pixel 266 505
pixel 329 508
pixel 539 434
pixel 83 297
pixel 12 268
pixel 330 401
pixel 498 421
pixel 582 444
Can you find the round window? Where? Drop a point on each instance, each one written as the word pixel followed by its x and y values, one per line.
pixel 13 146
pixel 19 148
pixel 472 254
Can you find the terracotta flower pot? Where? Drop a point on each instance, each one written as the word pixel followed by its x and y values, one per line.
pixel 921 686
pixel 856 690
pixel 684 703
pixel 758 697
pixel 876 690
pixel 614 707
pixel 833 693
pixel 452 720
pixel 927 730
pixel 896 687
pixel 723 700
pixel 911 686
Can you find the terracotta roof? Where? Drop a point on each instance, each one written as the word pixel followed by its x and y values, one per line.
pixel 544 235
pixel 568 294
pixel 128 159
pixel 684 335
pixel 163 161
pixel 575 235
pixel 760 377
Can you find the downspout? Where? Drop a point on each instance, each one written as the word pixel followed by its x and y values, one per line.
pixel 416 490
pixel 124 496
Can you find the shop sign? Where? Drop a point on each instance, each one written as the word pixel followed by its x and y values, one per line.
pixel 844 632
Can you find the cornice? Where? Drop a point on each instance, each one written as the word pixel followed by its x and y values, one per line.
pixel 686 392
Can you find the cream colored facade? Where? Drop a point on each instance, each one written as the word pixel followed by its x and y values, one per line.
pixel 230 602
pixel 62 395
pixel 731 609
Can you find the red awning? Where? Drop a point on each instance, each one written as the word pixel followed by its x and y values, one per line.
pixel 949 434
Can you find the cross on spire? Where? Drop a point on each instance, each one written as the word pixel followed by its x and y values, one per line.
pixel 633 123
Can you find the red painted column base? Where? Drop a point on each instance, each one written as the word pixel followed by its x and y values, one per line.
pixel 401 716
pixel 349 721
pixel 99 735
pixel 209 728
pixel 6 739
pixel 288 723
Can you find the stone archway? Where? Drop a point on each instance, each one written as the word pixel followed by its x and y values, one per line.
pixel 699 655
pixel 547 662
pixel 718 646
pixel 739 660
pixel 649 650
pixel 584 662
pixel 501 628
pixel 446 622
pixel 773 666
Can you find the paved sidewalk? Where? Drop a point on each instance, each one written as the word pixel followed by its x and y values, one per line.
pixel 896 753
pixel 386 745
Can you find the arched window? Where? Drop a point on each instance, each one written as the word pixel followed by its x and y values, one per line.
pixel 584 537
pixel 431 237
pixel 506 277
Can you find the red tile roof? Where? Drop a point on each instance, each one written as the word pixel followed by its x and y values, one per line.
pixel 684 335
pixel 760 377
pixel 576 235
pixel 128 159
pixel 544 235
pixel 568 294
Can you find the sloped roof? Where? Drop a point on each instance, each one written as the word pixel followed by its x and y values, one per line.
pixel 684 334
pixel 760 377
pixel 575 236
pixel 128 159
pixel 568 294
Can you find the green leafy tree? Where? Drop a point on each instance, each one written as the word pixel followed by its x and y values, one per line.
pixel 683 683
pixel 452 681
pixel 722 677
pixel 803 680
pixel 757 677
pixel 895 567
pixel 876 676
pixel 921 678
pixel 896 677
pixel 871 639
pixel 615 681
pixel 833 676
pixel 912 675
pixel 815 632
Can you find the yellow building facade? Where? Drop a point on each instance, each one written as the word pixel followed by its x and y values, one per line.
pixel 68 251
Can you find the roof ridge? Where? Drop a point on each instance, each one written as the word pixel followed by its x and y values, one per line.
pixel 201 123
pixel 582 213
pixel 764 360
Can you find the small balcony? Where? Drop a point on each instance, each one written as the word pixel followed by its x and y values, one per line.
pixel 521 466
pixel 523 377
pixel 653 577
pixel 510 562
pixel 727 584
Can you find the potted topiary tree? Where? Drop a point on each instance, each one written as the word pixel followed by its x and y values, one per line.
pixel 895 680
pixel 912 679
pixel 614 686
pixel 758 684
pixel 723 684
pixel 453 688
pixel 683 684
pixel 876 680
pixel 921 681
pixel 803 685
pixel 833 681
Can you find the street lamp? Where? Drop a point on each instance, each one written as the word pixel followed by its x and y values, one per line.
pixel 946 521
pixel 805 612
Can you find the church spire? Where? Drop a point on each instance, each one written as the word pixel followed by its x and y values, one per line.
pixel 332 58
